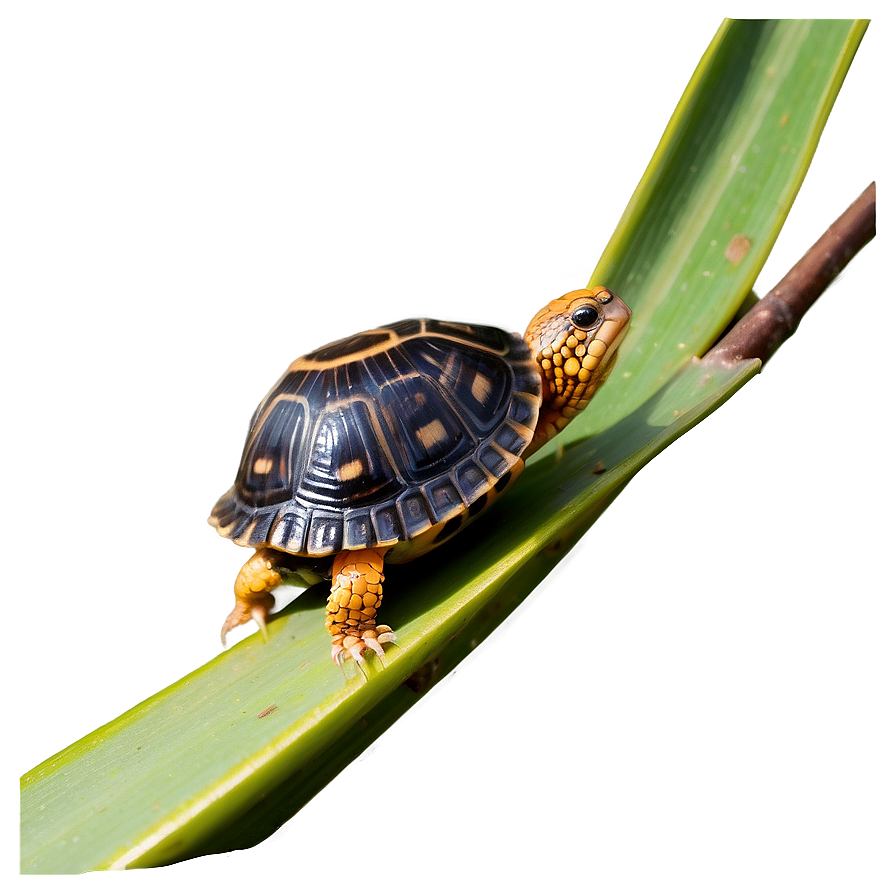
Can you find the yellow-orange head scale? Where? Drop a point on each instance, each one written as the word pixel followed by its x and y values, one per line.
pixel 574 341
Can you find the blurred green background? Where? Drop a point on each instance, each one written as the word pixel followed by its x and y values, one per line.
pixel 171 255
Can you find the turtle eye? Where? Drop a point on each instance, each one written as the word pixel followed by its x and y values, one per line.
pixel 585 316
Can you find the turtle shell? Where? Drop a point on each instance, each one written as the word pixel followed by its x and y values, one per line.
pixel 376 439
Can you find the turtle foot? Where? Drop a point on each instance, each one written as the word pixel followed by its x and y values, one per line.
pixel 243 612
pixel 353 643
pixel 355 596
pixel 253 586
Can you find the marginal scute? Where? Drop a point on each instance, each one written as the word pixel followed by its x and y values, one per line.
pixel 504 481
pixel 359 531
pixel 443 497
pixel 479 505
pixel 289 532
pixel 238 527
pixel 511 440
pixel 386 524
pixel 472 480
pixel 258 530
pixel 523 409
pixel 494 461
pixel 324 533
pixel 375 439
pixel 224 512
pixel 413 511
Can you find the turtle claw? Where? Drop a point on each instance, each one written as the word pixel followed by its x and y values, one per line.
pixel 374 645
pixel 260 615
pixel 345 645
pixel 375 639
pixel 385 635
pixel 254 583
pixel 355 646
pixel 241 614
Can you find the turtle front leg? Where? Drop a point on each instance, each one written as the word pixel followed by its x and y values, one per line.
pixel 355 596
pixel 254 584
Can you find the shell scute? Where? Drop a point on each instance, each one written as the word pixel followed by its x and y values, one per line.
pixel 370 340
pixel 478 382
pixel 426 431
pixel 265 472
pixel 491 338
pixel 471 479
pixel 324 533
pixel 511 440
pixel 359 530
pixel 493 460
pixel 344 465
pixel 386 524
pixel 413 512
pixel 443 496
pixel 410 327
pixel 289 531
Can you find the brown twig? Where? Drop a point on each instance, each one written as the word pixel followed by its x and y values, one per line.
pixel 774 319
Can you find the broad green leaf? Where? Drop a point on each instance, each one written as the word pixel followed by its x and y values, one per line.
pixel 704 217
pixel 221 758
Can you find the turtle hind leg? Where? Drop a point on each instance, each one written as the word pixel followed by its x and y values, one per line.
pixel 355 596
pixel 265 570
pixel 252 589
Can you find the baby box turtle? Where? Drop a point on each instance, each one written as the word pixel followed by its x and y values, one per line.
pixel 379 447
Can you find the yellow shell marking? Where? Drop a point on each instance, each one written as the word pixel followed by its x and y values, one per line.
pixel 481 387
pixel 430 435
pixel 351 470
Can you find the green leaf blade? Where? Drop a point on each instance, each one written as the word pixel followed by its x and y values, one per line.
pixel 716 193
pixel 167 780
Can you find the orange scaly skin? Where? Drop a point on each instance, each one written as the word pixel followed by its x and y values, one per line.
pixel 355 596
pixel 256 579
pixel 574 361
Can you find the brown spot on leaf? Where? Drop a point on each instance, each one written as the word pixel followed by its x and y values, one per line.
pixel 737 249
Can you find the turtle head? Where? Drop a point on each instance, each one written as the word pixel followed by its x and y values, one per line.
pixel 574 341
